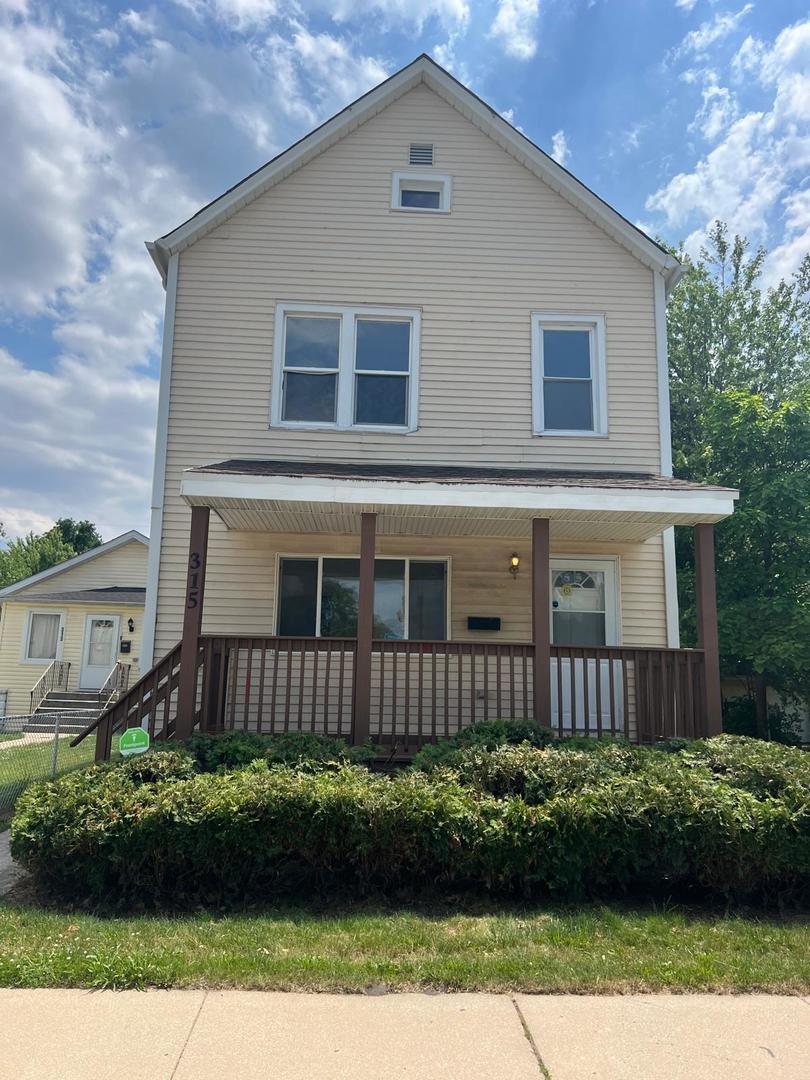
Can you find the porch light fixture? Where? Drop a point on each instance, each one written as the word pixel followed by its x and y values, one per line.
pixel 514 564
pixel 131 625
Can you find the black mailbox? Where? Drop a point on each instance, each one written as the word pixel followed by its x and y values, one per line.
pixel 483 622
pixel 126 646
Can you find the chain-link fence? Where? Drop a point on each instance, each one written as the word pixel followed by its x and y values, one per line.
pixel 32 750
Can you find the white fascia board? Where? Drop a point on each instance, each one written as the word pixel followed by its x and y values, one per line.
pixel 662 369
pixel 423 69
pixel 159 468
pixel 710 504
pixel 68 564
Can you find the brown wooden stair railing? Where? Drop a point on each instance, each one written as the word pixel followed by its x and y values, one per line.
pixel 152 698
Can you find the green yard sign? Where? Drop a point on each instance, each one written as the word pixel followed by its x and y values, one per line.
pixel 134 741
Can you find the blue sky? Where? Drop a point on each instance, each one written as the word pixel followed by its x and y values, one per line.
pixel 118 121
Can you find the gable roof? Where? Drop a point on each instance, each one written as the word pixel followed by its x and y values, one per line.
pixel 68 564
pixel 427 71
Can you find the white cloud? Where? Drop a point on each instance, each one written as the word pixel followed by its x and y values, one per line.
pixel 515 25
pixel 97 157
pixel 795 245
pixel 685 5
pixel 747 58
pixel 559 147
pixel 750 178
pixel 718 111
pixel 18 521
pixel 713 30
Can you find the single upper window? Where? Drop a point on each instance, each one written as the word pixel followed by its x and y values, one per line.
pixel 346 367
pixel 318 597
pixel 421 191
pixel 43 636
pixel 568 365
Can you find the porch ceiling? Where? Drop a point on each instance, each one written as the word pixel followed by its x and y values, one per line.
pixel 263 496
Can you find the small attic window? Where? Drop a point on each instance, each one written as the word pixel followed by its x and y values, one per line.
pixel 421 154
pixel 421 192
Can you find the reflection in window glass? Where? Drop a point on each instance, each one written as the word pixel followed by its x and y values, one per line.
pixel 389 599
pixel 578 606
pixel 382 345
pixel 298 597
pixel 311 342
pixel 309 397
pixel 567 380
pixel 427 601
pixel 420 200
pixel 340 593
pixel 382 399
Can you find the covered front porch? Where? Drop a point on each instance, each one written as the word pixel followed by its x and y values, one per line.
pixel 356 647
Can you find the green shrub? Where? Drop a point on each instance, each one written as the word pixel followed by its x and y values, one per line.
pixel 517 820
pixel 232 749
pixel 487 735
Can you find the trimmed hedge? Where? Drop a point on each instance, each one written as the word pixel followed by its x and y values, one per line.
pixel 487 735
pixel 232 749
pixel 726 816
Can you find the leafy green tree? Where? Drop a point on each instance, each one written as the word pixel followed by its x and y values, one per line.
pixel 31 554
pixel 739 378
pixel 80 535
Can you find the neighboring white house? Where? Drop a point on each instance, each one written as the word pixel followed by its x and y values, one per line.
pixel 85 614
pixel 413 460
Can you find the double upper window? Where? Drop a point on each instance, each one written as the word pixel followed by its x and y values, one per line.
pixel 318 597
pixel 346 367
pixel 568 375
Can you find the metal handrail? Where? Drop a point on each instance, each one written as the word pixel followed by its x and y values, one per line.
pixel 55 675
pixel 114 685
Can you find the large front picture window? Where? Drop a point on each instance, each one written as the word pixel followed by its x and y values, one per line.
pixel 44 630
pixel 345 367
pixel 318 597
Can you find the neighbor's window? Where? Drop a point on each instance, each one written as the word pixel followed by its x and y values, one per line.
pixel 346 367
pixel 43 636
pixel 421 191
pixel 568 364
pixel 318 597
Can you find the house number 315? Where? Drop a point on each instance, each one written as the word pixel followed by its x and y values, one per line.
pixel 193 594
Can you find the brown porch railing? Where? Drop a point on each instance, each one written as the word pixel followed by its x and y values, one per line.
pixel 421 691
pixel 277 684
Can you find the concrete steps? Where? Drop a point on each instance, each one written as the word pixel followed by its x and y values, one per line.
pixel 82 705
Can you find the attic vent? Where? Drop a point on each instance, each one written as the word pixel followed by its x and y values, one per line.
pixel 421 154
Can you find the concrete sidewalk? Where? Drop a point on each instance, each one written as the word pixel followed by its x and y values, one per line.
pixel 240 1035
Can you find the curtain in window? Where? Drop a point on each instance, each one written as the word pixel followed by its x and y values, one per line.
pixel 43 637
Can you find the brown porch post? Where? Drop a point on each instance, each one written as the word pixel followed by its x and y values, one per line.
pixel 192 621
pixel 706 610
pixel 365 630
pixel 541 633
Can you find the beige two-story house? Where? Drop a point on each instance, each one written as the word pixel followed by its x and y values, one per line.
pixel 413 460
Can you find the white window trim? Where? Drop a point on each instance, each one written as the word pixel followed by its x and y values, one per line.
pixel 418 176
pixel 611 568
pixel 595 324
pixel 348 315
pixel 29 618
pixel 407 559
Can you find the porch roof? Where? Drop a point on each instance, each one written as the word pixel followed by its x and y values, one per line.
pixel 448 500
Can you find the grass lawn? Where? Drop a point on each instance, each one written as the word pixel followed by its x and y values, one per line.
pixel 20 765
pixel 10 736
pixel 596 949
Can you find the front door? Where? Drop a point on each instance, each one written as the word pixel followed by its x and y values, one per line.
pixel 584 612
pixel 100 650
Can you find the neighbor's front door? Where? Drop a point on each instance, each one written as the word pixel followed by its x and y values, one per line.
pixel 100 650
